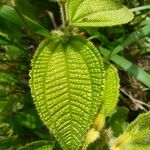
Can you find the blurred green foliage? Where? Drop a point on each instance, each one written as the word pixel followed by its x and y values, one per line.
pixel 23 26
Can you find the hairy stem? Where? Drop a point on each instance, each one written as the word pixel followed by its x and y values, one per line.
pixel 63 13
pixel 51 16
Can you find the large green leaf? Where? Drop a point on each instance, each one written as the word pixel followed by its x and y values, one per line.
pixel 67 83
pixel 97 12
pixel 136 137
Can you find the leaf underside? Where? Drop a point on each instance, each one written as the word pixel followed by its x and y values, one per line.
pixel 67 82
pixel 98 13
pixel 111 93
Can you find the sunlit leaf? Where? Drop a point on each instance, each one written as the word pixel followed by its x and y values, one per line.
pixel 111 93
pixel 97 13
pixel 67 82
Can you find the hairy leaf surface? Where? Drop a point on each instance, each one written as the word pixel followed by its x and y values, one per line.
pixel 137 135
pixel 110 96
pixel 97 12
pixel 67 83
pixel 111 93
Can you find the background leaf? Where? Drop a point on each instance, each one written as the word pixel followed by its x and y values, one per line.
pixel 11 15
pixel 118 121
pixel 128 66
pixel 37 145
pixel 97 13
pixel 137 134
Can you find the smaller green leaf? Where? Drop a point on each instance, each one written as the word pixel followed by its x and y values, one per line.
pixel 37 145
pixel 136 136
pixel 111 93
pixel 97 13
pixel 110 98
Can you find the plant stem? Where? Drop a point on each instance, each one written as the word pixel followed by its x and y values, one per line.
pixel 63 13
pixel 51 16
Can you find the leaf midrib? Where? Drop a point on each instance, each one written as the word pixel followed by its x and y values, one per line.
pixel 68 83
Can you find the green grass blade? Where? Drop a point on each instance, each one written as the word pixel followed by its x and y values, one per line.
pixel 133 37
pixel 140 8
pixel 129 67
